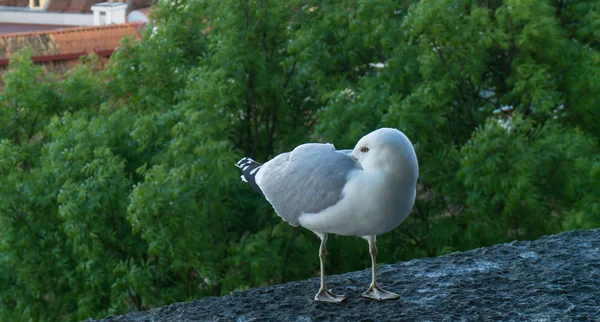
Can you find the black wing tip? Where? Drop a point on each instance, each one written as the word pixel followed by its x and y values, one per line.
pixel 246 162
pixel 249 169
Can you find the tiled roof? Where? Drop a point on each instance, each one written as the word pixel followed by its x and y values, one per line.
pixel 94 38
pixel 14 3
pixel 58 50
pixel 51 42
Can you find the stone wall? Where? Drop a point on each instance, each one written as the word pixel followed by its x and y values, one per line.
pixel 555 278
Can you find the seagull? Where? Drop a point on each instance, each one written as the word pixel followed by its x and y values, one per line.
pixel 365 192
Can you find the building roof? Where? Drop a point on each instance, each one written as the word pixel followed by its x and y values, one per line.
pixel 59 50
pixel 72 6
pixel 85 6
pixel 11 28
pixel 14 3
pixel 50 42
pixel 139 4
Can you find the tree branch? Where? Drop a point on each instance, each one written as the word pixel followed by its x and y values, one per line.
pixel 290 73
pixel 560 7
pixel 457 81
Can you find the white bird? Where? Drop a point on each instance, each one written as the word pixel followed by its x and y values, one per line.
pixel 362 192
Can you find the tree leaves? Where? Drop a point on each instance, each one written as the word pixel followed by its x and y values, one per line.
pixel 119 191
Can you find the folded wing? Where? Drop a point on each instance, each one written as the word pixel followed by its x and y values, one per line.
pixel 309 179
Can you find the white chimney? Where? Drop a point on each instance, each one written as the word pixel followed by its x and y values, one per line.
pixel 107 13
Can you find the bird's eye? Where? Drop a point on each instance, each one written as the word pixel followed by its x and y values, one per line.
pixel 364 149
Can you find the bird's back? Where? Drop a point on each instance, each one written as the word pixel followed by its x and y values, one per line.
pixel 307 180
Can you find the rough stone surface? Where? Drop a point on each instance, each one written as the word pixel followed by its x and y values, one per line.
pixel 555 278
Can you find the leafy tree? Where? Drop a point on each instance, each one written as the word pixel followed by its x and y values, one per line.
pixel 118 186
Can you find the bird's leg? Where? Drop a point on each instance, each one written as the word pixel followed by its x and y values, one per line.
pixel 375 292
pixel 324 295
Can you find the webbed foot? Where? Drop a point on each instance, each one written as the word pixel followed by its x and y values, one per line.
pixel 376 293
pixel 326 296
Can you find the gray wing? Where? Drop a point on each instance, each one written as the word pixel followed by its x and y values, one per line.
pixel 307 180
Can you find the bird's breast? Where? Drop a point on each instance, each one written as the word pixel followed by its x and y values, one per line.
pixel 372 204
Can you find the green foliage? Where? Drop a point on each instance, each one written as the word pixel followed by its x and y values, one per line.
pixel 533 194
pixel 118 186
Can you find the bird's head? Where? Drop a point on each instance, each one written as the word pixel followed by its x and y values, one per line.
pixel 388 150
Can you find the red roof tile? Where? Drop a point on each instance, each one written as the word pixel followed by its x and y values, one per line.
pixel 94 38
pixel 58 50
